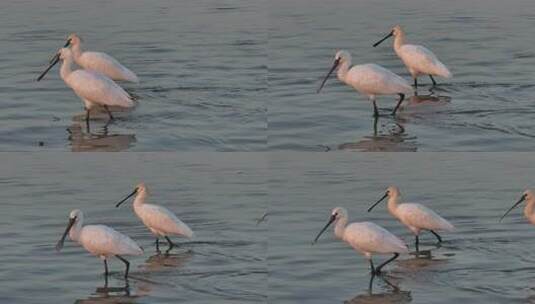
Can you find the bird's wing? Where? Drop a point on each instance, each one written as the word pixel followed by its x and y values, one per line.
pixel 422 217
pixel 98 88
pixel 423 60
pixel 105 64
pixel 367 236
pixel 106 240
pixel 162 219
pixel 374 79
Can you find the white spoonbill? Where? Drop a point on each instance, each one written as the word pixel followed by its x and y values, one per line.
pixel 369 79
pixel 160 221
pixel 365 237
pixel 415 216
pixel 99 240
pixel 93 88
pixel 418 59
pixel 529 197
pixel 98 61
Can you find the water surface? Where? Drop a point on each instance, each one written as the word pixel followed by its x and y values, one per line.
pixel 482 262
pixel 220 198
pixel 487 106
pixel 202 67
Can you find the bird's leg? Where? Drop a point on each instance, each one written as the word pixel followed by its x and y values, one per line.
pixel 171 244
pixel 105 268
pixel 372 267
pixel 415 82
pixel 378 269
pixel 433 80
pixel 375 110
pixel 109 112
pixel 158 244
pixel 375 120
pixel 370 285
pixel 87 119
pixel 416 244
pixel 401 98
pixel 437 236
pixel 126 263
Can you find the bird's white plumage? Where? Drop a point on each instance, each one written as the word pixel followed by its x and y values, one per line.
pixel 373 79
pixel 368 238
pixel 418 59
pixel 101 240
pixel 97 89
pixel 421 61
pixel 100 62
pixel 105 64
pixel 104 241
pixel 161 221
pixel 421 217
pixel 415 216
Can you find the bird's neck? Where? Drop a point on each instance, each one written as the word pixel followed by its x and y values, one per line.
pixel 75 231
pixel 76 51
pixel 392 204
pixel 140 199
pixel 343 70
pixel 340 228
pixel 528 211
pixel 66 68
pixel 399 41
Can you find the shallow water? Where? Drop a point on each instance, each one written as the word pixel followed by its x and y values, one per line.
pixel 487 106
pixel 202 67
pixel 482 262
pixel 220 198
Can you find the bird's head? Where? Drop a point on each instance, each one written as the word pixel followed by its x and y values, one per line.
pixel 342 56
pixel 336 214
pixel 397 30
pixel 73 39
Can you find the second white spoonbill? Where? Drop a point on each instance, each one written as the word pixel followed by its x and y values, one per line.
pixel 369 79
pixel 415 216
pixel 365 237
pixel 418 59
pixel 95 89
pixel 160 221
pixel 98 61
pixel 99 240
pixel 529 211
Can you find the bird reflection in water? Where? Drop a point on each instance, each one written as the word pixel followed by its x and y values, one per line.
pixel 393 294
pixel 110 294
pixel 390 138
pixel 101 140
pixel 166 261
pixel 431 98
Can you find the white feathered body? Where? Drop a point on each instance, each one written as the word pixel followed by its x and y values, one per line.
pixel 421 61
pixel 373 79
pixel 103 241
pixel 161 221
pixel 369 238
pixel 418 217
pixel 105 64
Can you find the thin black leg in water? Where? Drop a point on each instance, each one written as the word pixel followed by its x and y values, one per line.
pixel 171 244
pixel 87 119
pixel 433 80
pixel 126 263
pixel 375 110
pixel 437 236
pixel 415 83
pixel 417 240
pixel 109 112
pixel 401 98
pixel 372 267
pixel 158 244
pixel 378 269
pixel 105 268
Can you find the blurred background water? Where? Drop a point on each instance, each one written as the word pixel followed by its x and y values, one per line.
pixel 484 261
pixel 202 68
pixel 220 198
pixel 487 106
